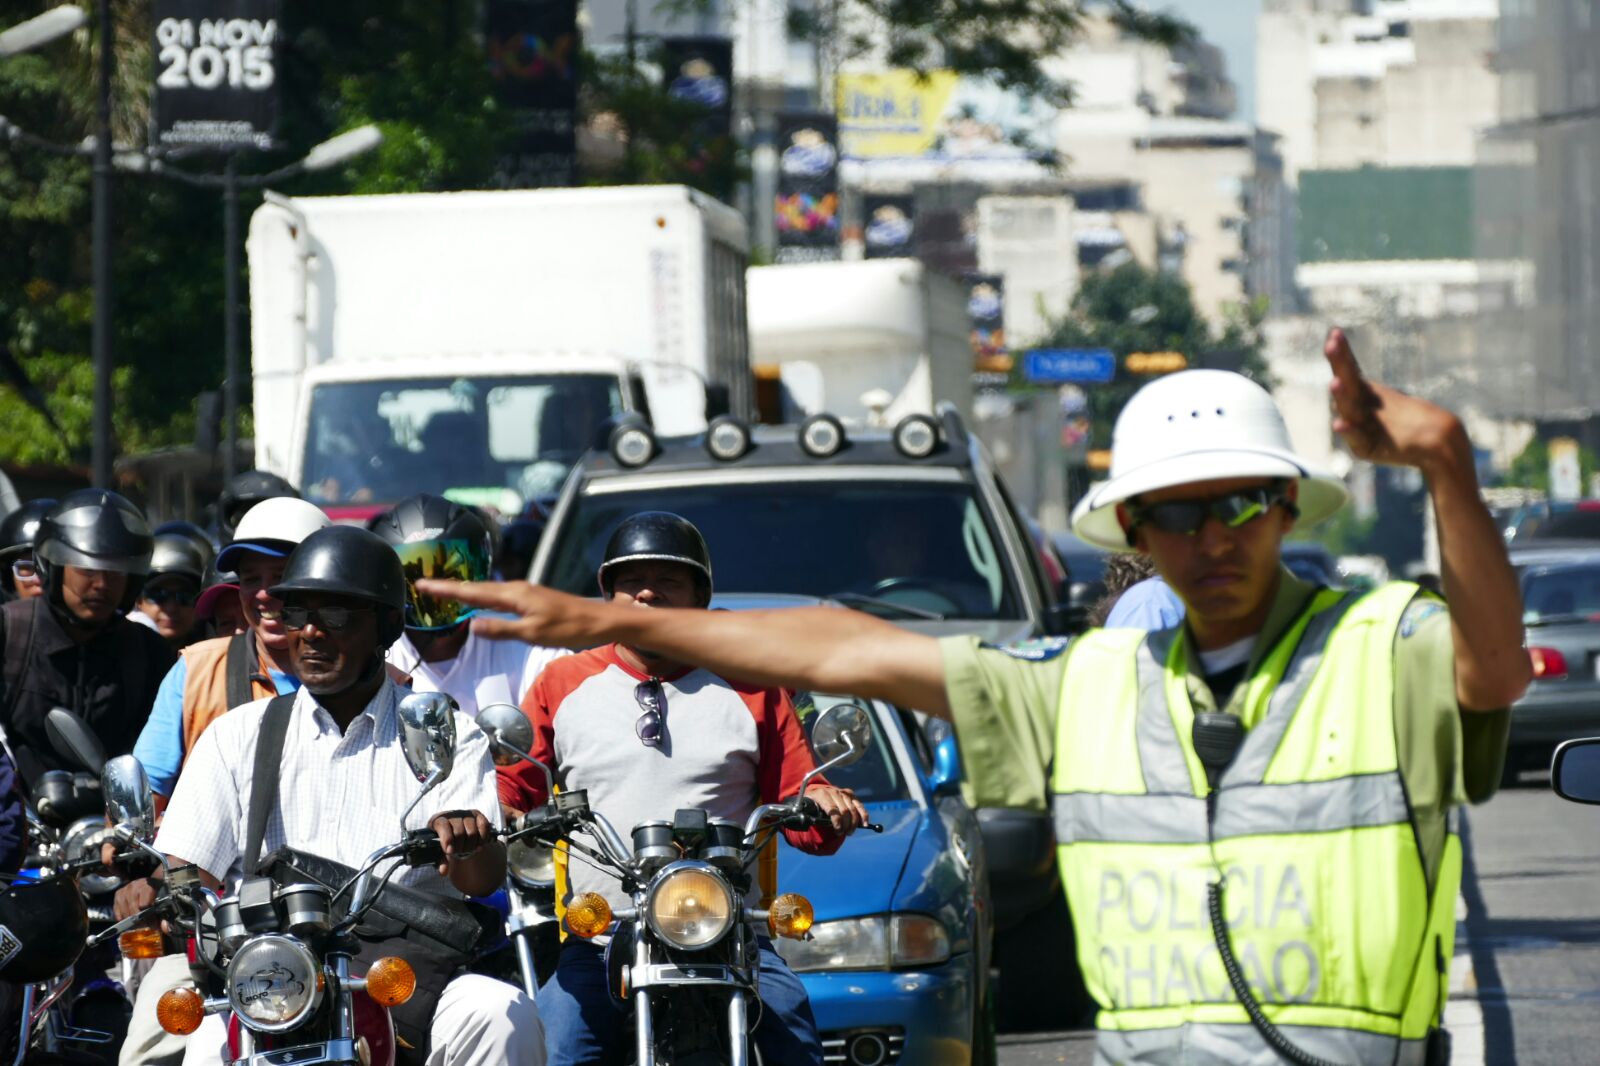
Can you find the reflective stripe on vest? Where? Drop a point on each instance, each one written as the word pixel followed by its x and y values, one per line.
pixel 1325 892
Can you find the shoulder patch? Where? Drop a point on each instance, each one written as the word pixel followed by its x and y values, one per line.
pixel 1419 612
pixel 1037 650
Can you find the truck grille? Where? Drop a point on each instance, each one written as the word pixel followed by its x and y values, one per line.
pixel 863 1047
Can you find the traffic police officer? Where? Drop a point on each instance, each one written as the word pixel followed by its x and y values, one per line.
pixel 1253 809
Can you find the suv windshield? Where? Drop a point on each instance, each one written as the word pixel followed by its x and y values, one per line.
pixel 496 441
pixel 919 545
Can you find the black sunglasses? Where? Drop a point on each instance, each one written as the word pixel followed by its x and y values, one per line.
pixel 162 597
pixel 651 725
pixel 1187 516
pixel 331 619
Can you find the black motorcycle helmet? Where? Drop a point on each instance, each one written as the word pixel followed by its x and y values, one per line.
pixel 435 537
pixel 244 491
pixel 195 535
pixel 16 536
pixel 175 555
pixel 50 920
pixel 661 536
pixel 349 561
pixel 98 530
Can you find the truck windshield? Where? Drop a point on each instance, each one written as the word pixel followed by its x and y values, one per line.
pixel 899 548
pixel 494 441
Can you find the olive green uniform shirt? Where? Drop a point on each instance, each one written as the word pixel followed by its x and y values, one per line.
pixel 1004 701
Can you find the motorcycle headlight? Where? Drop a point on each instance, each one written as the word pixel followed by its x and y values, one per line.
pixel 690 906
pixel 532 865
pixel 82 841
pixel 876 943
pixel 273 983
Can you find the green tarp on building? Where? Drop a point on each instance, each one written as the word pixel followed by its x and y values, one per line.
pixel 1378 213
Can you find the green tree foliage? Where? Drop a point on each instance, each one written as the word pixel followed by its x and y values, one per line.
pixel 416 68
pixel 1531 468
pixel 1132 309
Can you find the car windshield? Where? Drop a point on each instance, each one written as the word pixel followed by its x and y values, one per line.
pixel 921 547
pixel 494 441
pixel 1560 594
pixel 875 777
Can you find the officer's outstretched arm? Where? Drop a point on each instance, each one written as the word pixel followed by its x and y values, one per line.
pixel 825 649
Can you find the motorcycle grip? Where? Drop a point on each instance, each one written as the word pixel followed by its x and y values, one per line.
pixel 423 848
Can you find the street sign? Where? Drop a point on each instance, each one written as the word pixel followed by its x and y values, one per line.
pixel 1155 362
pixel 1061 366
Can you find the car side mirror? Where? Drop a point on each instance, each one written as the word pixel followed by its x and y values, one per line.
pixel 945 777
pixel 1066 619
pixel 1575 770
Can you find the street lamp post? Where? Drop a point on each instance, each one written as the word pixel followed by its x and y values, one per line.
pixel 104 297
pixel 330 153
pixel 41 29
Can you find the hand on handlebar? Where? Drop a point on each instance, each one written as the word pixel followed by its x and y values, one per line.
pixel 460 834
pixel 840 807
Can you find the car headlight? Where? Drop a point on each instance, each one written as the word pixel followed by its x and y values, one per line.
pixel 273 983
pixel 531 865
pixel 876 943
pixel 690 906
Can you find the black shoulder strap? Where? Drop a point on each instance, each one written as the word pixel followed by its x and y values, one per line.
pixel 241 668
pixel 17 642
pixel 264 778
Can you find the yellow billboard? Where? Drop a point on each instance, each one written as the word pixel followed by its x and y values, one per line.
pixel 895 113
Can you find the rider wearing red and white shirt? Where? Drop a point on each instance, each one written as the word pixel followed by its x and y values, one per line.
pixel 646 736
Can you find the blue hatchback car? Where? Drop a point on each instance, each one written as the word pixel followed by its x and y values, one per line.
pixel 898 961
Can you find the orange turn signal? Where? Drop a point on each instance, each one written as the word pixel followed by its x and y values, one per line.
pixel 391 981
pixel 791 916
pixel 589 915
pixel 141 944
pixel 180 1010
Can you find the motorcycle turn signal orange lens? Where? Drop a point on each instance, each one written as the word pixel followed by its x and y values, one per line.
pixel 141 944
pixel 589 915
pixel 180 1010
pixel 791 916
pixel 391 981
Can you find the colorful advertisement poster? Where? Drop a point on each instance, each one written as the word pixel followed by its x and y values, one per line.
pixel 533 52
pixel 806 210
pixel 888 226
pixel 697 72
pixel 900 114
pixel 986 308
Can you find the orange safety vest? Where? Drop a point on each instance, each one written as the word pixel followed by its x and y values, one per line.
pixel 206 691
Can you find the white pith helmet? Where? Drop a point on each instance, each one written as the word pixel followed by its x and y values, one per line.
pixel 273 527
pixel 1199 425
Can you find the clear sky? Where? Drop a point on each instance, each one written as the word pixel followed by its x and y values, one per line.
pixel 1231 26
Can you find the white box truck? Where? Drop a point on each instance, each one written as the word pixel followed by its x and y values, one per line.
pixel 475 343
pixel 838 332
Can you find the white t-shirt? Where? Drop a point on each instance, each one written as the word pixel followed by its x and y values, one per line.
pixel 483 671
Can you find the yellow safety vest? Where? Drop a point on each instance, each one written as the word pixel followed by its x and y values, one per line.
pixel 1326 893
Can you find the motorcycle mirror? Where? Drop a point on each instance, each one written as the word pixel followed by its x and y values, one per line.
pixel 1575 770
pixel 506 727
pixel 842 734
pixel 129 801
pixel 428 734
pixel 74 740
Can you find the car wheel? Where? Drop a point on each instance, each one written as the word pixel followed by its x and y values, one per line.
pixel 1040 988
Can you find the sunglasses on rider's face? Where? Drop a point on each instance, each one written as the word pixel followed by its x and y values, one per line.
pixel 162 597
pixel 327 619
pixel 1233 510
pixel 651 724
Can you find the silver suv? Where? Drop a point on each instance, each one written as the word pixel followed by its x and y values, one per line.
pixel 912 525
